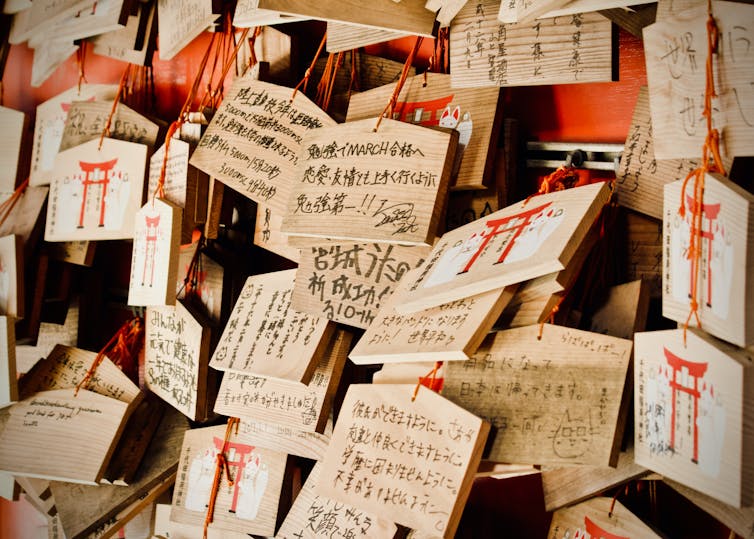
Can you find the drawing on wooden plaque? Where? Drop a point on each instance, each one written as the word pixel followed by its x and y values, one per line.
pixel 690 408
pixel 95 192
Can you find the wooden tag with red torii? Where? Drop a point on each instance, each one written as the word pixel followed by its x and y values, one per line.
pixel 95 192
pixel 598 518
pixel 250 504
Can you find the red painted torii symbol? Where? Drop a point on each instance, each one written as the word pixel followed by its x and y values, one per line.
pixel 498 226
pixel 711 212
pixel 150 249
pixel 696 370
pixel 596 532
pixel 237 459
pixel 405 109
pixel 89 169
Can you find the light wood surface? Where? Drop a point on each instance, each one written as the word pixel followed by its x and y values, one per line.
pixel 12 290
pixel 266 336
pixel 86 120
pixel 571 49
pixel 355 183
pixel 345 37
pixel 430 100
pixel 443 483
pixel 598 517
pixel 347 283
pixel 510 246
pixel 188 19
pixel 14 123
pixel 267 234
pixel 309 445
pixel 554 401
pixel 8 384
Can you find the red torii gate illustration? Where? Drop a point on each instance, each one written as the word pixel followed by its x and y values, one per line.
pixel 237 459
pixel 91 168
pixel 405 109
pixel 596 532
pixel 517 228
pixel 711 212
pixel 696 370
pixel 150 247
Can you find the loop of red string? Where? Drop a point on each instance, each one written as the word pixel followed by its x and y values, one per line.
pixel 308 72
pixel 710 152
pixel 388 112
pixel 220 467
pixel 327 82
pixel 429 380
pixel 563 177
pixel 122 349
pixel 9 203
pixel 80 60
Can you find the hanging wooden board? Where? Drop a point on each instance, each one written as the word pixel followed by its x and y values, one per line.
pixel 408 16
pixel 343 169
pixel 96 18
pixel 8 385
pixel 54 435
pixel 154 261
pixel 48 57
pixel 309 445
pixel 448 10
pixel 134 43
pixel 677 80
pixel 25 219
pixel 266 336
pixel 375 71
pixel 254 139
pixel 518 243
pixel 347 283
pixel 187 19
pixel 532 311
pixel 343 37
pixel 623 312
pixel 209 290
pixel 641 177
pixel 176 359
pixel 80 253
pixel 176 172
pixel 429 497
pixel 644 251
pixel 50 123
pixel 13 122
pixel 554 401
pixel 313 516
pixel 268 236
pixel 564 50
pixel 511 9
pixel 409 373
pixel 567 485
pixel 49 336
pixel 467 206
pixel 725 291
pixel 431 101
pixel 520 11
pixel 11 277
pixel 692 409
pixel 95 193
pixel 286 403
pixel 87 119
pixel 249 505
pixel 598 517
pixel 248 15
pixel 452 331
pixel 45 13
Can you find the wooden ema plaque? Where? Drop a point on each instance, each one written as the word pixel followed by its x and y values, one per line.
pixel 521 11
pixel 641 176
pixel 267 234
pixel 598 517
pixel 135 42
pixel 25 219
pixel 54 435
pixel 8 385
pixel 516 244
pixel 248 15
pixel 643 251
pixel 250 504
pixel 675 52
pixel 95 193
pixel 13 123
pixel 425 489
pixel 563 50
pixel 11 277
pixel 624 311
pixel 432 102
pixel 692 407
pixel 283 402
pixel 176 359
pixel 547 411
pixel 724 290
pixel 353 183
pixel 313 516
pixel 254 140
pixel 50 123
pixel 96 18
pixel 80 253
pixel 210 283
pixel 188 19
pixel 343 37
pixel 267 337
pixel 347 283
pixel 309 445
pixel 452 331
pixel 154 261
pixel 49 336
pixel 87 119
pixel 408 16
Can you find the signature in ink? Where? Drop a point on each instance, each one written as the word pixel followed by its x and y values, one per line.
pixel 398 216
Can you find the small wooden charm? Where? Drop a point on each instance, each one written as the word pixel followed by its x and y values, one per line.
pixel 692 405
pixel 154 263
pixel 433 482
pixel 95 192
